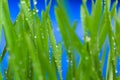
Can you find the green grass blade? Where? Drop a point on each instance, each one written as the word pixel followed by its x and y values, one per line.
pixel 57 51
pixel 0 19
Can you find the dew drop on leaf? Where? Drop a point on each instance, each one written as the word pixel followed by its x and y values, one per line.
pixel 26 19
pixel 42 37
pixel 35 2
pixel 88 39
pixel 112 38
pixel 37 10
pixel 35 37
pixel 33 13
pixel 67 60
pixel 86 58
pixel 69 51
pixel 116 71
pixel 28 9
pixel 58 29
pixel 56 46
pixel 22 2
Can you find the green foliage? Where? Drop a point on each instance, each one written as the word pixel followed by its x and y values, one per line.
pixel 29 39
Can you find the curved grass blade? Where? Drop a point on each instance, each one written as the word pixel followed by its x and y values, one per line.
pixel 10 37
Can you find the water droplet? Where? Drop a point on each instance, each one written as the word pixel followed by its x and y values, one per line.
pixel 56 46
pixel 69 51
pixel 67 60
pixel 28 9
pixel 42 37
pixel 58 29
pixel 90 52
pixel 112 38
pixel 49 51
pixel 1 55
pixel 100 61
pixel 88 39
pixel 33 13
pixel 114 48
pixel 26 19
pixel 22 2
pixel 82 37
pixel 114 43
pixel 8 48
pixel 71 63
pixel 86 58
pixel 37 10
pixel 116 71
pixel 35 37
pixel 3 76
pixel 56 61
pixel 93 69
pixel 40 78
pixel 5 72
pixel 35 2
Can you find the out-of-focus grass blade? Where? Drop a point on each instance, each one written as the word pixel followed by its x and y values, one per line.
pixel 105 24
pixel 70 39
pixel 57 51
pixel 75 25
pixel 103 30
pixel 85 18
pixel 64 31
pixel 113 11
pixel 8 25
pixel 95 21
pixel 29 16
pixel 112 55
pixel 0 19
pixel 111 66
pixel 0 76
pixel 117 35
pixel 24 61
pixel 36 64
pixel 10 37
pixel 91 26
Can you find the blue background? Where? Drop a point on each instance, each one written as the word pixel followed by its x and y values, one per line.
pixel 73 10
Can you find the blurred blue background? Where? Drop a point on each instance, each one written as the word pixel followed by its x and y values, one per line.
pixel 73 12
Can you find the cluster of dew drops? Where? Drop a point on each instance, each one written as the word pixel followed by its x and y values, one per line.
pixel 35 3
